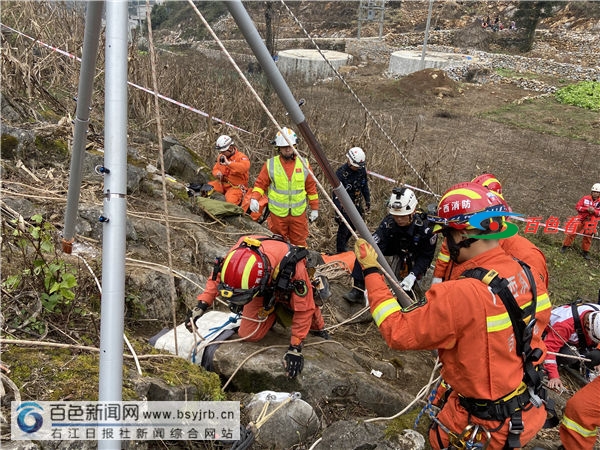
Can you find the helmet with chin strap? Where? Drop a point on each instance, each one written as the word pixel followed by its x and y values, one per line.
pixel 462 201
pixel 593 326
pixel 596 187
pixel 244 274
pixel 458 205
pixel 284 140
pixel 402 202
pixel 223 143
pixel 356 157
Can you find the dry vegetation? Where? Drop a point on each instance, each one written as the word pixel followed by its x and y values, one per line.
pixel 445 139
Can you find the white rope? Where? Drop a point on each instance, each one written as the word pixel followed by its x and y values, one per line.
pixel 390 277
pixel 357 98
pixel 133 353
pixel 422 393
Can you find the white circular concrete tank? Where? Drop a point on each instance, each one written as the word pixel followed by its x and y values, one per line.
pixel 404 62
pixel 309 64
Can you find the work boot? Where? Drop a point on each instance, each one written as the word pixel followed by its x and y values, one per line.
pixel 320 333
pixel 563 249
pixel 586 255
pixel 355 296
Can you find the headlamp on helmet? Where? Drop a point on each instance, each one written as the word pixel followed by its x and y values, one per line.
pixel 402 202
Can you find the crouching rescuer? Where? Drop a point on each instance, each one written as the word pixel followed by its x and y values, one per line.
pixel 485 323
pixel 266 279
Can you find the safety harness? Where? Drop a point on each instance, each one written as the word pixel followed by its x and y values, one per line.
pixel 530 392
pixel 283 283
pixel 582 342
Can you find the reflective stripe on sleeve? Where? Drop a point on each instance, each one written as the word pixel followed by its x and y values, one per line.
pixel 384 309
pixel 443 257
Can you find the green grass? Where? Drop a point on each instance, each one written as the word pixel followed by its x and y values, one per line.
pixel 571 276
pixel 547 115
pixel 585 95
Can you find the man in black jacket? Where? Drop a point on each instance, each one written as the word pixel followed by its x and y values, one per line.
pixel 404 234
pixel 353 176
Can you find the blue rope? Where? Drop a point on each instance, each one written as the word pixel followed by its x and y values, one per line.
pixel 213 330
pixel 427 408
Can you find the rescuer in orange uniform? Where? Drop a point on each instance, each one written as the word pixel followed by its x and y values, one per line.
pixel 290 189
pixel 516 245
pixel 245 280
pixel 494 386
pixel 231 171
pixel 581 417
pixel 588 216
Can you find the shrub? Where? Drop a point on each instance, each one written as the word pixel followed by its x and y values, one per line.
pixel 585 94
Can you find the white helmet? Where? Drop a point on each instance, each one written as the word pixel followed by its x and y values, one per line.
pixel 223 143
pixel 596 187
pixel 593 326
pixel 402 202
pixel 356 157
pixel 281 141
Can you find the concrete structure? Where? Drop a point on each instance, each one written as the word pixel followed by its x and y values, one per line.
pixel 309 64
pixel 405 62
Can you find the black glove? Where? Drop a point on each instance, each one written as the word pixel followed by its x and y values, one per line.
pixel 594 355
pixel 200 309
pixel 368 208
pixel 293 361
pixel 193 189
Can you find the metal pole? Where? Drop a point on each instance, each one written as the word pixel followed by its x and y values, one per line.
pixel 93 21
pixel 246 26
pixel 115 208
pixel 426 34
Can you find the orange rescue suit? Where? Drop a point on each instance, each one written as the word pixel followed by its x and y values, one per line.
pixel 294 228
pixel 234 177
pixel 581 418
pixel 307 316
pixel 471 330
pixel 516 246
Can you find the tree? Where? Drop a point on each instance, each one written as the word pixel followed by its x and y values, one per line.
pixel 528 16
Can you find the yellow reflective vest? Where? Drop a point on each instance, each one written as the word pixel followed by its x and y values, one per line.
pixel 287 196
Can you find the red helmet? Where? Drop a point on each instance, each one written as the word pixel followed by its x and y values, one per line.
pixel 462 201
pixel 244 274
pixel 489 181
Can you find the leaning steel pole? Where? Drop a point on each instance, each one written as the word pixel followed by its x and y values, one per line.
pixel 115 208
pixel 246 26
pixel 91 38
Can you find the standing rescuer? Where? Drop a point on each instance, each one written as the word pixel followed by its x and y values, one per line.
pixel 291 190
pixel 586 222
pixel 486 326
pixel 353 176
pixel 231 171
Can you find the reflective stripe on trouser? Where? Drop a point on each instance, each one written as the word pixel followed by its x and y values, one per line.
pixel 581 417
